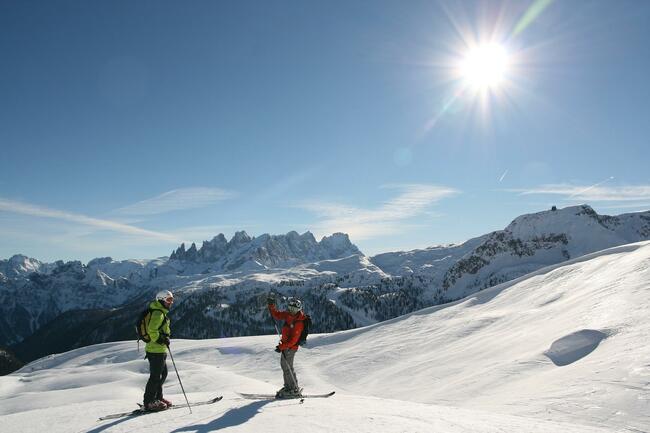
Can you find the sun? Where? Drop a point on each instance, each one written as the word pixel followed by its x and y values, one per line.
pixel 485 66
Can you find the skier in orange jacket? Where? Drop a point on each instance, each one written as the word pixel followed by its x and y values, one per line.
pixel 291 330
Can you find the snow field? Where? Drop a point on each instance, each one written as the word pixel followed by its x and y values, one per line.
pixel 487 363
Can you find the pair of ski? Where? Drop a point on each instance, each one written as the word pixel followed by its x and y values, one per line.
pixel 301 397
pixel 142 411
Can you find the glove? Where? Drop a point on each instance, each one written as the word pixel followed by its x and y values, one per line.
pixel 270 300
pixel 277 348
pixel 163 339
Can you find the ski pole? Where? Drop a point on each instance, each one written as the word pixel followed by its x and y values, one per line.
pixel 179 379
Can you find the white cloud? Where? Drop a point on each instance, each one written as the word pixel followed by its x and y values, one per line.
pixel 591 193
pixel 177 199
pixel 96 223
pixel 284 184
pixel 640 206
pixel 389 218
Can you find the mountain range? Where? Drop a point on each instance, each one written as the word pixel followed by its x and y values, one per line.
pixel 562 349
pixel 221 286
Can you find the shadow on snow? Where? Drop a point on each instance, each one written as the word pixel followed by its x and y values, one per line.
pixel 233 417
pixel 109 425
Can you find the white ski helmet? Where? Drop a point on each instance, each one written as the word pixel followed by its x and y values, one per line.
pixel 165 296
pixel 294 305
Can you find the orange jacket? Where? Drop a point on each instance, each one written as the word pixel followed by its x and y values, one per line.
pixel 293 325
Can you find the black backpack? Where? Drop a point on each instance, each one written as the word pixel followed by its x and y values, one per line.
pixel 306 324
pixel 143 323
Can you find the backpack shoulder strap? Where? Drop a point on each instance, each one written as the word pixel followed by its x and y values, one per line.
pixel 165 318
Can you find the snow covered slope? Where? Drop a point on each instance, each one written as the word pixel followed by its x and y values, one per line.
pixel 528 243
pixel 563 349
pixel 220 287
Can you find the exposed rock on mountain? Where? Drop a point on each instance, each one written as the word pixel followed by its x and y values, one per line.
pixel 265 251
pixel 8 362
pixel 219 285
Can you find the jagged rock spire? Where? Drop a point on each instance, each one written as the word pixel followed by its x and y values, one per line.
pixel 246 252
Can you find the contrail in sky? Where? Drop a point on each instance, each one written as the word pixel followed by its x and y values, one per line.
pixel 591 187
pixel 503 175
pixel 44 212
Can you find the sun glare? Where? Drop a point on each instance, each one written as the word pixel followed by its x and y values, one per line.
pixel 485 66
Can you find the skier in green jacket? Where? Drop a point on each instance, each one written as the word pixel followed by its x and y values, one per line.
pixel 159 332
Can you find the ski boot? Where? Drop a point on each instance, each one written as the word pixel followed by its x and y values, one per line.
pixel 155 406
pixel 281 392
pixel 290 393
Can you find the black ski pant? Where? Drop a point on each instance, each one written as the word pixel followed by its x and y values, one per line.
pixel 157 376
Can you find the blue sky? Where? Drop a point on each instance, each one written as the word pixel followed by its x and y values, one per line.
pixel 128 127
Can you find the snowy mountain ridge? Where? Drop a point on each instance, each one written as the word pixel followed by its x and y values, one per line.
pixel 33 293
pixel 220 287
pixel 266 251
pixel 19 266
pixel 562 349
pixel 528 243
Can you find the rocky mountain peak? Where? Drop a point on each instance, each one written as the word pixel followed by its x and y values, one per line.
pixel 240 238
pixel 246 252
pixel 18 265
pixel 219 239
pixel 339 245
pixel 99 261
pixel 308 237
pixel 412 279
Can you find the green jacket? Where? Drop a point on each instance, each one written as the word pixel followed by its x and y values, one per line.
pixel 158 318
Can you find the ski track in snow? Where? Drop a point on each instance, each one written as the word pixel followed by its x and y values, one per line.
pixel 564 349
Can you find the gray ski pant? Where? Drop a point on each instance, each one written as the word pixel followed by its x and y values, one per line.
pixel 286 362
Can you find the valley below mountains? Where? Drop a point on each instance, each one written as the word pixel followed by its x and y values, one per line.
pixel 221 286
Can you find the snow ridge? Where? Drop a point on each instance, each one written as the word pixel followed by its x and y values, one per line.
pixel 221 286
pixel 562 349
